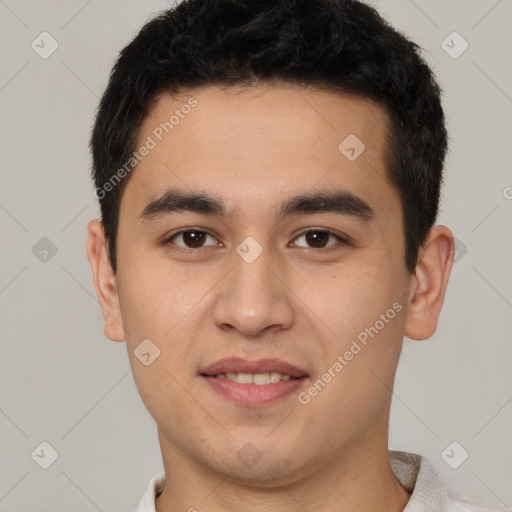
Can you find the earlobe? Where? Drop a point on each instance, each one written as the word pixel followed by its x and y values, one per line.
pixel 429 282
pixel 104 281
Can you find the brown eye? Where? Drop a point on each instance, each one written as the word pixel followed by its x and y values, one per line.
pixel 318 239
pixel 191 239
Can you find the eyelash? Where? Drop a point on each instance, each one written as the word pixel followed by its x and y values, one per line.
pixel 341 240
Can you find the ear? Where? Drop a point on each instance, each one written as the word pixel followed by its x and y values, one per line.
pixel 429 282
pixel 104 281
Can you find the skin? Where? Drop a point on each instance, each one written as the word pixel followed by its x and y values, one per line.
pixel 253 148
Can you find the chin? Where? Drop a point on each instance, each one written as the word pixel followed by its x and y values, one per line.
pixel 262 466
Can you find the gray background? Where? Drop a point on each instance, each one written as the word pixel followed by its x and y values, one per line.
pixel 63 382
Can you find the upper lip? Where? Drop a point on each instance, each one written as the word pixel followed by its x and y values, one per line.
pixel 239 365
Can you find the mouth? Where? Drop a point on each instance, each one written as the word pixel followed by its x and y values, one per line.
pixel 253 383
pixel 259 379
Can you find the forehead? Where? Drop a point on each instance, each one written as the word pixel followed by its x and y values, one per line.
pixel 253 144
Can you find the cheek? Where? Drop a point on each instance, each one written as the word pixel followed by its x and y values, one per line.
pixel 349 298
pixel 360 358
pixel 156 305
pixel 152 301
pixel 365 312
pixel 154 313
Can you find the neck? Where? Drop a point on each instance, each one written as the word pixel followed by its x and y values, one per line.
pixel 359 479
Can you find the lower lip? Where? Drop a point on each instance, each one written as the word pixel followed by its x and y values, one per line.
pixel 253 394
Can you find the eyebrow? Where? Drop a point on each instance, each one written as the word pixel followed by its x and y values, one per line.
pixel 338 201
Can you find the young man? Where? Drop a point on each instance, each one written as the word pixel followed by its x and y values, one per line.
pixel 269 177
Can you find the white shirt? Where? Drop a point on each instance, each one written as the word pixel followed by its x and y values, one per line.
pixel 414 472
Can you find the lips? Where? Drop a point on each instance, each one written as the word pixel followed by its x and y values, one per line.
pixel 253 383
pixel 239 365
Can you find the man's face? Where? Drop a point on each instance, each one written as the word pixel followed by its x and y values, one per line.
pixel 253 284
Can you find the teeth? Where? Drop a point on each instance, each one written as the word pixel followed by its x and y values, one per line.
pixel 276 377
pixel 243 378
pixel 262 378
pixel 259 379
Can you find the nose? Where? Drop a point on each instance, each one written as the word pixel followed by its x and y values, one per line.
pixel 254 298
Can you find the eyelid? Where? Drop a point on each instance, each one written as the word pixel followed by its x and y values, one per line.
pixel 169 239
pixel 343 239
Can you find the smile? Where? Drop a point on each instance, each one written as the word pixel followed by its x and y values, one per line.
pixel 260 379
pixel 253 383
